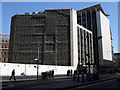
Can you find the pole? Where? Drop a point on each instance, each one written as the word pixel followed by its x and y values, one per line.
pixel 38 63
pixel 98 77
pixel 37 71
pixel 25 68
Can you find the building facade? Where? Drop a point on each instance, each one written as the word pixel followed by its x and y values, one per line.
pixel 4 47
pixel 54 32
pixel 49 30
pixel 95 19
pixel 62 37
pixel 85 49
pixel 117 60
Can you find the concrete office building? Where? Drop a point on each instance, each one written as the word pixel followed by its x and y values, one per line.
pixel 4 47
pixel 54 34
pixel 117 60
pixel 95 19
pixel 62 37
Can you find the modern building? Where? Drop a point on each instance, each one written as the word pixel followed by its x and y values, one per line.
pixel 53 36
pixel 4 47
pixel 62 37
pixel 95 19
pixel 117 60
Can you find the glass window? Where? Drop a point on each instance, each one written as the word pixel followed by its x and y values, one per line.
pixel 4 59
pixel 2 40
pixel 5 53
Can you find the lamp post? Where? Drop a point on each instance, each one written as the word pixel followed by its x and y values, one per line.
pixel 37 67
pixel 37 59
pixel 98 76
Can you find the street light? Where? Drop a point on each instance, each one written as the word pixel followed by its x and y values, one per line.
pixel 37 67
pixel 37 59
pixel 98 76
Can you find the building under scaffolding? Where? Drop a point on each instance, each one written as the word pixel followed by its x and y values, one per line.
pixel 55 33
pixel 63 37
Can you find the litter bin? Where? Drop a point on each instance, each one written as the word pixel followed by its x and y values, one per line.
pixel 43 75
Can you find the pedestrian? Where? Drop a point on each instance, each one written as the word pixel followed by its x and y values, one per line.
pixel 52 73
pixel 83 76
pixel 47 74
pixel 78 78
pixel 13 75
pixel 71 72
pixel 74 75
pixel 67 73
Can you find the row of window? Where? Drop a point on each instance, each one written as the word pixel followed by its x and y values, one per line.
pixel 4 46
pixel 4 53
pixel 3 59
pixel 5 40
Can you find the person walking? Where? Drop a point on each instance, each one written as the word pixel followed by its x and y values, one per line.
pixel 71 72
pixel 13 75
pixel 68 72
pixel 74 75
pixel 52 73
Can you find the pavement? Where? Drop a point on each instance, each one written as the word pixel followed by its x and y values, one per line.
pixel 102 79
pixel 31 79
pixel 67 84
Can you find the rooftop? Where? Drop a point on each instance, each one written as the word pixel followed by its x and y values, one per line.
pixel 98 6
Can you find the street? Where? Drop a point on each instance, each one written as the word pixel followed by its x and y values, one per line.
pixel 59 83
pixel 33 84
pixel 106 84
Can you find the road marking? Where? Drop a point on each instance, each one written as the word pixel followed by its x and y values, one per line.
pixel 95 84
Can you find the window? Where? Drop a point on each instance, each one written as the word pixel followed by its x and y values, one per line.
pixel 6 40
pixel 49 47
pixel 4 59
pixel 2 40
pixel 5 53
pixel 50 38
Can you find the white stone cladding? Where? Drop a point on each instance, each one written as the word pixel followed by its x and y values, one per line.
pixel 73 38
pixel 104 44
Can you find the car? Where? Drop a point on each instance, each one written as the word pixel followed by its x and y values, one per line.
pixel 117 75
